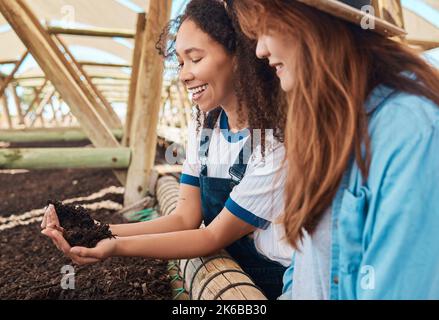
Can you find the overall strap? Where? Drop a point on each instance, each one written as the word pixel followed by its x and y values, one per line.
pixel 238 169
pixel 206 135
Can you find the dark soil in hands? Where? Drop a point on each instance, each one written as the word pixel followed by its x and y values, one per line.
pixel 79 227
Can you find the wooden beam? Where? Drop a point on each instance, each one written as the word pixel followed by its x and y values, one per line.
pixel 8 79
pixel 18 105
pixel 426 45
pixel 108 112
pixel 48 134
pixel 105 65
pixel 54 118
pixel 62 158
pixel 137 54
pixel 93 32
pixel 36 99
pixel 147 105
pixel 9 61
pixel 54 65
pixel 42 104
pixel 6 113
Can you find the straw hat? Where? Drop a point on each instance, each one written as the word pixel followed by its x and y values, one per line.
pixel 359 12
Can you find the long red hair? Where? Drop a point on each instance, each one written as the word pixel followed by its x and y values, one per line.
pixel 338 64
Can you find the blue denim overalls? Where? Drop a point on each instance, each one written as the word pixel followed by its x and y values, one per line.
pixel 265 273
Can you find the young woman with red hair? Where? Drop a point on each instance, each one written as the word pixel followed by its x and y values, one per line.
pixel 362 140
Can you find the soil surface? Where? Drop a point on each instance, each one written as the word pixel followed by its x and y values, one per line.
pixel 31 267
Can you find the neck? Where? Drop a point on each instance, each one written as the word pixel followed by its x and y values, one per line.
pixel 236 121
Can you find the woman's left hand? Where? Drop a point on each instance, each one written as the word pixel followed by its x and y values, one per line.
pixel 103 250
pixel 81 255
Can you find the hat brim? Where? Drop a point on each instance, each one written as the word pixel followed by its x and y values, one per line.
pixel 351 14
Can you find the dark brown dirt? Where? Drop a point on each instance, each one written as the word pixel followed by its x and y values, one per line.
pixel 30 265
pixel 30 268
pixel 79 227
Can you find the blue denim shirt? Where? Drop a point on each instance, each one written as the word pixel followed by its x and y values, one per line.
pixel 385 230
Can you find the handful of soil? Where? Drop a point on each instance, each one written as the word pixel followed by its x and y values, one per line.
pixel 79 227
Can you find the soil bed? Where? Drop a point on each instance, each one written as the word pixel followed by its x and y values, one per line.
pixel 31 266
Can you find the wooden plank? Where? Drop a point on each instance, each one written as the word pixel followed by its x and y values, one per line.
pixel 48 134
pixel 52 62
pixel 62 158
pixel 108 113
pixel 147 105
pixel 93 32
pixel 137 54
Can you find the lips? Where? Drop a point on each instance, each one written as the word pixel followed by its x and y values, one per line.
pixel 196 92
pixel 278 66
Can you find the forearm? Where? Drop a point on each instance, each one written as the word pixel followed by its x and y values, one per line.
pixel 173 245
pixel 170 223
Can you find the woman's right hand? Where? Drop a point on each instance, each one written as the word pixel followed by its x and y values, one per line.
pixel 50 219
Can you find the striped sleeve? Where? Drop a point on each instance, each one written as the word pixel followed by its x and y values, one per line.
pixel 191 166
pixel 258 199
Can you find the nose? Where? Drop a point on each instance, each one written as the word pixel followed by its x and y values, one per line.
pixel 261 48
pixel 185 76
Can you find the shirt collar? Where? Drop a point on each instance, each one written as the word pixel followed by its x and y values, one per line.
pixel 377 97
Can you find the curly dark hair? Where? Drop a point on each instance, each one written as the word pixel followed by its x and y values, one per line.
pixel 256 84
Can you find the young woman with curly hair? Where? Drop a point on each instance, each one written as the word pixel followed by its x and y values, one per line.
pixel 233 174
pixel 362 141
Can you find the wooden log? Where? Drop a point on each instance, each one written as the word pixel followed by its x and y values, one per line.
pixel 216 277
pixel 147 105
pixel 137 54
pixel 62 158
pixel 54 65
pixel 92 32
pixel 48 134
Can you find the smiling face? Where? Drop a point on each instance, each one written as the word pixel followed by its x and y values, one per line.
pixel 206 69
pixel 277 48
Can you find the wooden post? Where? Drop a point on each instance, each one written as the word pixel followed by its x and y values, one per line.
pixel 147 105
pixel 105 110
pixel 54 65
pixel 187 106
pixel 54 118
pixel 18 105
pixel 137 54
pixel 6 113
